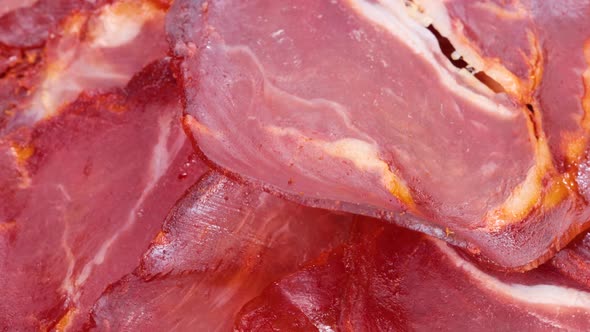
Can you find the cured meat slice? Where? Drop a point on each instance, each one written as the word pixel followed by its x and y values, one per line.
pixel 87 191
pixel 29 23
pixel 351 105
pixel 563 93
pixel 509 52
pixel 320 284
pixel 413 283
pixel 546 62
pixel 91 51
pixel 25 27
pixel 574 261
pixel 10 5
pixel 220 246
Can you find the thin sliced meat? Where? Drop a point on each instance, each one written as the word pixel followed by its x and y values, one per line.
pixel 315 295
pixel 414 283
pixel 546 61
pixel 25 27
pixel 91 51
pixel 563 95
pixel 19 74
pixel 351 105
pixel 220 246
pixel 508 52
pixel 13 177
pixel 93 186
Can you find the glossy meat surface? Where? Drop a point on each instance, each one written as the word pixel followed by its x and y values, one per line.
pixel 358 109
pixel 220 246
pixel 342 165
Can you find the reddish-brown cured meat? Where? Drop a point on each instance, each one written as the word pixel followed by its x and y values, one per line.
pixel 574 261
pixel 87 191
pixel 220 246
pixel 30 23
pixel 540 54
pixel 328 125
pixel 414 283
pixel 89 50
pixel 353 106
pixel 545 62
pixel 25 28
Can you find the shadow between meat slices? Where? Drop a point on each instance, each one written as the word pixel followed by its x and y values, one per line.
pixel 574 261
pixel 351 105
pixel 414 282
pixel 220 246
pixel 83 193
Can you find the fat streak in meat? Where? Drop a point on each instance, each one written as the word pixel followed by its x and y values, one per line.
pixel 351 105
pixel 414 283
pixel 85 192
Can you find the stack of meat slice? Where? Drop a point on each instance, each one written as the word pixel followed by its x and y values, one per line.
pixel 294 165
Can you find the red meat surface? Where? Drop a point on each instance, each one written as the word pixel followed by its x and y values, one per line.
pixel 342 165
pixel 413 283
pixel 87 191
pixel 219 247
pixel 353 106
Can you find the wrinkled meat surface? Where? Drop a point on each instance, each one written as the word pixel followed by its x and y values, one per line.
pixel 219 247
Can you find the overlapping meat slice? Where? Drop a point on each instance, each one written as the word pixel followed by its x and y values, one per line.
pixel 494 37
pixel 87 191
pixel 352 105
pixel 220 246
pixel 539 51
pixel 574 261
pixel 413 283
pixel 563 96
pixel 546 59
pixel 89 50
